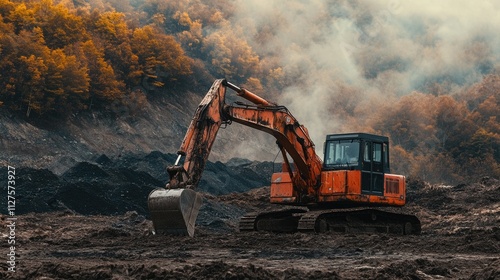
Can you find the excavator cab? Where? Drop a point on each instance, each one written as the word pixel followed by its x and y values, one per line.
pixel 363 160
pixel 365 152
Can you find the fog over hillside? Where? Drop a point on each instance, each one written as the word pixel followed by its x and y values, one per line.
pixel 381 49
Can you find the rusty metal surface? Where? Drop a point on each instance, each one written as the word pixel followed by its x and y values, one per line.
pixel 174 211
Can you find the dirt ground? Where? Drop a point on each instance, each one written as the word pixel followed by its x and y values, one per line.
pixel 460 240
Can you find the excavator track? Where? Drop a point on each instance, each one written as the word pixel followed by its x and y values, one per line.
pixel 247 222
pixel 285 220
pixel 361 220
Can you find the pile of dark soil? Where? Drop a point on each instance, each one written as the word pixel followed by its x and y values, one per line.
pixel 85 189
pixel 115 186
pixel 237 175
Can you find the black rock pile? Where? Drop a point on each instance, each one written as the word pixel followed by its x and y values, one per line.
pixel 115 186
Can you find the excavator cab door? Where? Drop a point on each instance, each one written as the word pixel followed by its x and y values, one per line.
pixel 374 165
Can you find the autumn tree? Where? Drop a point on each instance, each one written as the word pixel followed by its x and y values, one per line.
pixel 191 38
pixel 111 32
pixel 161 57
pixel 411 122
pixel 481 148
pixel 22 18
pixel 43 79
pixel 230 55
pixel 6 7
pixel 23 69
pixel 483 100
pixel 205 32
pixel 7 58
pixel 60 26
pixel 31 82
pixel 104 85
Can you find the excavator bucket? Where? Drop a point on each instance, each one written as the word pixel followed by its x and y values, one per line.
pixel 174 211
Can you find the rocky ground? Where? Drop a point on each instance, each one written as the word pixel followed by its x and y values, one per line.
pixel 91 222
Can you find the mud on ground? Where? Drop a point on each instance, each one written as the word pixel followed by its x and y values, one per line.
pixel 460 234
pixel 66 246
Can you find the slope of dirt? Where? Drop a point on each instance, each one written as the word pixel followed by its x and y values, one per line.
pixel 123 184
pixel 64 230
pixel 158 125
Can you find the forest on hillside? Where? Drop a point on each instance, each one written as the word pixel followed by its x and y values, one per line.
pixel 341 73
pixel 69 56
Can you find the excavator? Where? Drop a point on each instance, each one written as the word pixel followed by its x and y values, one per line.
pixel 351 190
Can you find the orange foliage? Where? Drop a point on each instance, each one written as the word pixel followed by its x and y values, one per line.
pixel 60 26
pixel 56 58
pixel 445 138
pixel 232 56
pixel 161 57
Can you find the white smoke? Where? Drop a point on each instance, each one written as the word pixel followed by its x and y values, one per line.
pixel 380 49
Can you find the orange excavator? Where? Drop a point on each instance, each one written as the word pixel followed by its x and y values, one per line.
pixel 352 190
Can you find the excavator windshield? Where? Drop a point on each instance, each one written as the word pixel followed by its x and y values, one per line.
pixel 342 153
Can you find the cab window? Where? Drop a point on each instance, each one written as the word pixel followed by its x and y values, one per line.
pixel 386 155
pixel 367 150
pixel 345 152
pixel 377 152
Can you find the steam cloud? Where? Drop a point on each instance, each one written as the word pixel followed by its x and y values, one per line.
pixel 367 52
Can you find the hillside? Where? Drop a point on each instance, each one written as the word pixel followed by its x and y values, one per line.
pixel 94 77
pixel 159 126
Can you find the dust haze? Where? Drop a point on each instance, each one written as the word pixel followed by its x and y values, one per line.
pixel 340 59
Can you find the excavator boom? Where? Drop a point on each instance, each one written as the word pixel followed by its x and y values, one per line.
pixel 175 208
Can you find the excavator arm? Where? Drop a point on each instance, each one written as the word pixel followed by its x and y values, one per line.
pixel 291 137
pixel 199 139
pixel 174 209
